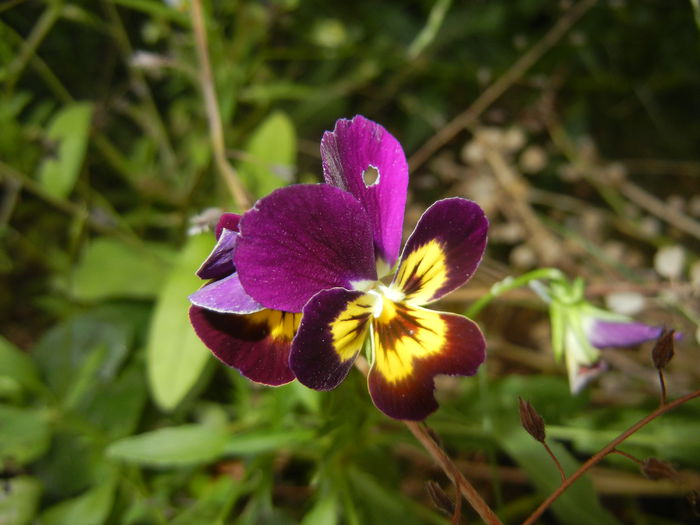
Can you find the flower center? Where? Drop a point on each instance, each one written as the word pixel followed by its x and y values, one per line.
pixel 384 299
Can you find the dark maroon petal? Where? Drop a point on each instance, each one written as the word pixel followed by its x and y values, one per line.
pixel 257 345
pixel 219 263
pixel 362 157
pixel 334 327
pixel 443 251
pixel 225 296
pixel 228 221
pixel 300 240
pixel 411 347
pixel 609 334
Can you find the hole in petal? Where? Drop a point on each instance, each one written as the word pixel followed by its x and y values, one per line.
pixel 370 176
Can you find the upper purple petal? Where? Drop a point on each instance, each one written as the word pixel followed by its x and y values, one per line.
pixel 226 296
pixel 443 251
pixel 300 240
pixel 227 221
pixel 219 263
pixel 604 334
pixel 347 153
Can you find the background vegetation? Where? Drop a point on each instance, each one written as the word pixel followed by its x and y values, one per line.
pixel 573 125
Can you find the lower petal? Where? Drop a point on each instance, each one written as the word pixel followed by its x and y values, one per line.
pixel 412 345
pixel 257 345
pixel 333 330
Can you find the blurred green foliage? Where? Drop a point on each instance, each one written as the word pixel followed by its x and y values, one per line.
pixel 111 410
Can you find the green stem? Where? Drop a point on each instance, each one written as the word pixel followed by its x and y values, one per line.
pixel 510 283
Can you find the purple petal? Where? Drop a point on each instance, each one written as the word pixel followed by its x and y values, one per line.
pixel 228 221
pixel 604 334
pixel 219 263
pixel 257 344
pixel 334 327
pixel 300 240
pixel 443 251
pixel 362 157
pixel 225 296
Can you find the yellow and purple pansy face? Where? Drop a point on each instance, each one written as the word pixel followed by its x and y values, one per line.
pixel 318 252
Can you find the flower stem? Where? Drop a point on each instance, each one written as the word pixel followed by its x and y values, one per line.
pixel 556 461
pixel 511 283
pixel 610 447
pixel 420 432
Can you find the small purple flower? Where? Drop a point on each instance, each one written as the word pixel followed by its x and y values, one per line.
pixel 321 250
pixel 580 331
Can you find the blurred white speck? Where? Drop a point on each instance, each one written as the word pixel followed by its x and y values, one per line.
pixel 472 153
pixel 204 221
pixel 523 257
pixel 513 138
pixel 533 159
pixel 668 261
pixel 626 303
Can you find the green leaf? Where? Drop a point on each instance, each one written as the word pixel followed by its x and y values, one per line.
pixel 175 357
pixel 18 503
pixel 24 434
pixel 69 129
pixel 110 268
pixel 117 406
pixel 265 441
pixel 91 508
pixel 271 155
pixel 212 506
pixel 83 353
pixel 324 512
pixel 175 446
pixel 17 367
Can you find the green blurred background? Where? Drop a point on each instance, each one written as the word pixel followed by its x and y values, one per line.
pixel 112 412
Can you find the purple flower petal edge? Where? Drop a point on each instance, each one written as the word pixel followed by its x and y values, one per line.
pixel 605 334
pixel 219 263
pixel 225 296
pixel 350 155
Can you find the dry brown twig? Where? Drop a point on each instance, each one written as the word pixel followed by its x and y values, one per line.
pixel 216 129
pixel 469 116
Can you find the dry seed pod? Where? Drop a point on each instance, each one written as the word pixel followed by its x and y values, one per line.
pixel 662 352
pixel 532 422
pixel 655 469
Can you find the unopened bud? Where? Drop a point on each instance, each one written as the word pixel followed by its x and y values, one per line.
pixel 441 500
pixel 663 349
pixel 532 422
pixel 655 469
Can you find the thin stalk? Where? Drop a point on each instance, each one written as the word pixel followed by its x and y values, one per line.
pixel 450 469
pixel 216 129
pixel 511 283
pixel 610 447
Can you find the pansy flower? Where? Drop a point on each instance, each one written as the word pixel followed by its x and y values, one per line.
pixel 321 250
pixel 237 329
pixel 580 331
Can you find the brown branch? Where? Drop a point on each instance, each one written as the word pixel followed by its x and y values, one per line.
pixel 495 90
pixel 605 451
pixel 556 461
pixel 216 129
pixel 450 469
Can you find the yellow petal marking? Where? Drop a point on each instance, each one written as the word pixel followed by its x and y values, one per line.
pixel 349 328
pixel 402 334
pixel 281 326
pixel 422 273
